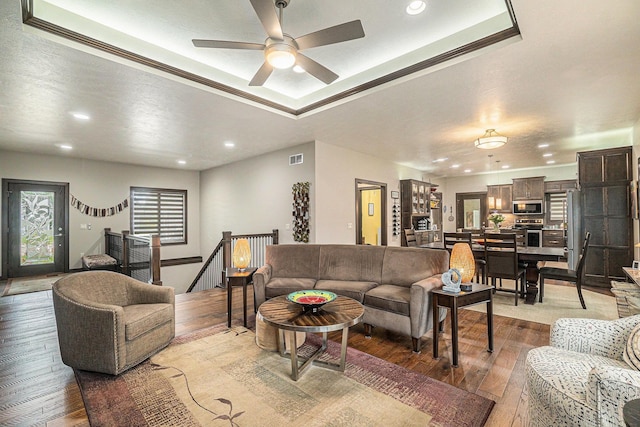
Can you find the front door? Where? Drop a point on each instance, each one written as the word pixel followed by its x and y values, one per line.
pixel 35 221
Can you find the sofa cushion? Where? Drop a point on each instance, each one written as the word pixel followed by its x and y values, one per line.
pixel 141 318
pixel 297 261
pixel 349 262
pixel 284 286
pixel 631 352
pixel 405 266
pixel 348 288
pixel 389 298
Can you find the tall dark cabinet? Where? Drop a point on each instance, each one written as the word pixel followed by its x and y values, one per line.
pixel 604 180
pixel 420 209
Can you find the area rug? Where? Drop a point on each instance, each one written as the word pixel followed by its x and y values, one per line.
pixel 25 285
pixel 559 301
pixel 219 377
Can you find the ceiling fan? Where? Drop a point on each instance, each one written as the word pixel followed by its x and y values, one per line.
pixel 283 51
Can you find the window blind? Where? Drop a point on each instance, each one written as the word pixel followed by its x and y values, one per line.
pixel 161 212
pixel 557 206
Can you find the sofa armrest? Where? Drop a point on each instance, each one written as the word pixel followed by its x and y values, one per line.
pixel 606 338
pixel 260 279
pixel 144 293
pixel 100 348
pixel 609 388
pixel 420 305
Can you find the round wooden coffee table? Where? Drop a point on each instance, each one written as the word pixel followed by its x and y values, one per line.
pixel 334 316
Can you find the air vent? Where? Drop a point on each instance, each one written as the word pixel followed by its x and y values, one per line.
pixel 295 159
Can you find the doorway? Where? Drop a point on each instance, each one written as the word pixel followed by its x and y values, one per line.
pixel 471 210
pixel 35 220
pixel 371 213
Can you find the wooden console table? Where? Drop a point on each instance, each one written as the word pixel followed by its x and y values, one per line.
pixel 478 294
pixel 236 277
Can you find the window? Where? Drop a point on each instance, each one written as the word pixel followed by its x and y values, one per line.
pixel 557 207
pixel 160 212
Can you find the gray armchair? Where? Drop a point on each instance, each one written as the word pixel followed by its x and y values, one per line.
pixel 108 322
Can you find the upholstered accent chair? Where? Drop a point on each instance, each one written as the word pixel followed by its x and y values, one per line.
pixel 586 374
pixel 108 322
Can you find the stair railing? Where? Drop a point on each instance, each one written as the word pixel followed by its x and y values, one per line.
pixel 137 256
pixel 211 275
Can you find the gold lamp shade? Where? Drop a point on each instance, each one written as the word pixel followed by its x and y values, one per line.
pixel 241 254
pixel 462 260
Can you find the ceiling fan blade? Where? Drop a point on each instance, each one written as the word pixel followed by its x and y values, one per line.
pixel 262 75
pixel 222 44
pixel 318 71
pixel 336 34
pixel 266 11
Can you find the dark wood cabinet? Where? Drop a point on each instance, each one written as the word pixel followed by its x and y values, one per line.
pixel 553 239
pixel 560 186
pixel 499 198
pixel 416 200
pixel 604 179
pixel 528 188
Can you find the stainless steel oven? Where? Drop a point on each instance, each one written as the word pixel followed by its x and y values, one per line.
pixel 534 238
pixel 533 230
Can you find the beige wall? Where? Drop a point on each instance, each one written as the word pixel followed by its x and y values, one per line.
pixel 104 184
pixel 636 153
pixel 254 196
pixel 336 171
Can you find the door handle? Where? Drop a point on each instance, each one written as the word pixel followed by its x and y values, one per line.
pixel 58 235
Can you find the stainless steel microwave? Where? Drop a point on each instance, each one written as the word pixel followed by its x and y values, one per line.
pixel 528 207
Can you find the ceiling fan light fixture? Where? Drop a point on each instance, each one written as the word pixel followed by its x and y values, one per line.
pixel 280 55
pixel 491 139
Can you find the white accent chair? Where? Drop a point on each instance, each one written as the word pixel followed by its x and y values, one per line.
pixel 586 374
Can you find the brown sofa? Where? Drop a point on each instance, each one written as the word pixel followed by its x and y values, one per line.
pixel 108 322
pixel 393 283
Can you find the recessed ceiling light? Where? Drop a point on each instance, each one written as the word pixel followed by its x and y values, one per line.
pixel 441 159
pixel 543 145
pixel 65 146
pixel 182 162
pixel 467 170
pixel 550 162
pixel 455 166
pixel 299 69
pixel 505 166
pixel 81 116
pixel 416 7
pixel 547 155
pixel 229 144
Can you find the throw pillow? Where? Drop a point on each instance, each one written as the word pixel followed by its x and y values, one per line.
pixel 631 352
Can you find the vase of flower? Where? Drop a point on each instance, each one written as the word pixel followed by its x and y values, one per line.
pixel 496 219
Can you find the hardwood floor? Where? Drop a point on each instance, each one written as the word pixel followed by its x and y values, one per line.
pixel 37 389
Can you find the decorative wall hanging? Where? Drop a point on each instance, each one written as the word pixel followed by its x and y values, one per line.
pixel 301 212
pixel 99 212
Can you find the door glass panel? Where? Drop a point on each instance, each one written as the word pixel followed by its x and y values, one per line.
pixel 472 213
pixel 36 227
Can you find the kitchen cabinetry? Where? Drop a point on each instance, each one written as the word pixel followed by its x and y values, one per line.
pixel 553 239
pixel 604 179
pixel 559 186
pixel 415 205
pixel 499 198
pixel 528 188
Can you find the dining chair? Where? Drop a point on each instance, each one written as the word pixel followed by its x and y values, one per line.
pixel 410 234
pixel 451 239
pixel 568 275
pixel 501 256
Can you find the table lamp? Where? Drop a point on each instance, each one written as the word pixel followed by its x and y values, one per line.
pixel 462 260
pixel 241 254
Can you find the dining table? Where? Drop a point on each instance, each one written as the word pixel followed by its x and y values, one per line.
pixel 531 255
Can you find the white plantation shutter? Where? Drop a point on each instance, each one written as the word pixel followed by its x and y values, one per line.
pixel 161 212
pixel 557 206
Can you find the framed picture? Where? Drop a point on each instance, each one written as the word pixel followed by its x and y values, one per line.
pixel 395 194
pixel 636 265
pixel 371 209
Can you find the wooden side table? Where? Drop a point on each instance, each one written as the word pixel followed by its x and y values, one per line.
pixel 236 277
pixel 631 413
pixel 478 294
